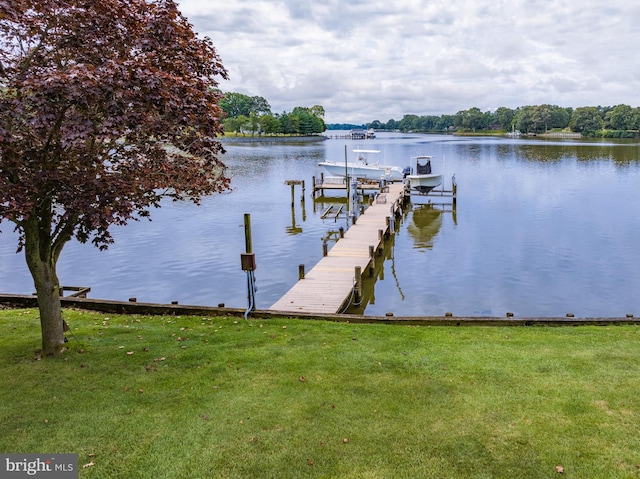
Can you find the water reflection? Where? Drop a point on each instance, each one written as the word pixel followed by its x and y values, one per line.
pixel 425 223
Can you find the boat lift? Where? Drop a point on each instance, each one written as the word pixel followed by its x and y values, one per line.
pixel 438 193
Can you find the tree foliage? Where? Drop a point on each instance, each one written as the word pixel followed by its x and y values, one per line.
pixel 237 104
pixel 245 114
pixel 106 107
pixel 586 120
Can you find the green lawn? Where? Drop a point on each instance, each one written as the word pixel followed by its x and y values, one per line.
pixel 194 397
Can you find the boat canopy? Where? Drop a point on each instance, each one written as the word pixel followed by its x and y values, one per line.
pixel 423 169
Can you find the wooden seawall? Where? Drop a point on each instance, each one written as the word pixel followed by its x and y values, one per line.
pixel 329 286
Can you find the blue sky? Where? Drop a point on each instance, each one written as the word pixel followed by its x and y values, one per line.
pixel 376 60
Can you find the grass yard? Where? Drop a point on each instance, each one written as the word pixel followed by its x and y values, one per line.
pixel 196 397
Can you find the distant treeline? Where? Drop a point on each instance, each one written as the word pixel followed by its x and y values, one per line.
pixel 621 121
pixel 252 115
pixel 345 126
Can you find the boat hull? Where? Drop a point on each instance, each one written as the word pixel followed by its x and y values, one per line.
pixel 367 172
pixel 423 184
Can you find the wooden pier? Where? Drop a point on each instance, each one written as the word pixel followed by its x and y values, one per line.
pixel 329 287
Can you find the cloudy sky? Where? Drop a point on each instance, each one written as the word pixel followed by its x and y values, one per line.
pixel 381 59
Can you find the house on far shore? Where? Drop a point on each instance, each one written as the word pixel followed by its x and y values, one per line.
pixel 361 134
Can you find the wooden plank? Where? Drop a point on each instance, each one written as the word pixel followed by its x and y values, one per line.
pixel 329 285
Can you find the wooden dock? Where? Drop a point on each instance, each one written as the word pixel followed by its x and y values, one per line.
pixel 329 286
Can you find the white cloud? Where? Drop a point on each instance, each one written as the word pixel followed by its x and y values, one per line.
pixel 366 60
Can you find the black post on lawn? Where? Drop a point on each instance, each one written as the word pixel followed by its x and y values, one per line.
pixel 248 263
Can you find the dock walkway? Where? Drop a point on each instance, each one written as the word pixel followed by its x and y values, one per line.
pixel 328 287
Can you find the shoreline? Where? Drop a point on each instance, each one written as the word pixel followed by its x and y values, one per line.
pixel 272 139
pixel 16 301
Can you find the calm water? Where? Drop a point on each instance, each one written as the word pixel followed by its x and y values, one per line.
pixel 541 228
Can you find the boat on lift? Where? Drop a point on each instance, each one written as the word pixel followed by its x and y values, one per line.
pixel 423 180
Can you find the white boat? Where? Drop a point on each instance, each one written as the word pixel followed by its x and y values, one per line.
pixel 423 181
pixel 514 133
pixel 363 168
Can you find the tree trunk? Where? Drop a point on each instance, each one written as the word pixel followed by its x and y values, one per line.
pixel 42 260
pixel 48 291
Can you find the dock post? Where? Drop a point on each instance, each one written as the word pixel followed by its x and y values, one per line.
pixel 248 242
pixel 372 261
pixel 381 239
pixel 325 248
pixel 358 285
pixel 302 197
pixel 300 271
pixel 293 193
pixel 341 230
pixel 454 190
pixel 313 186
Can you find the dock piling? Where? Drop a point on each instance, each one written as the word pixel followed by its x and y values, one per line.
pixel 358 284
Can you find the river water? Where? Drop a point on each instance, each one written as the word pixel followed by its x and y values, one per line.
pixel 541 228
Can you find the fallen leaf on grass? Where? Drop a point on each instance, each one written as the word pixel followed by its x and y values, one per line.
pixel 345 440
pixel 559 469
pixel 89 464
pixel 129 353
pixel 302 379
pixel 310 462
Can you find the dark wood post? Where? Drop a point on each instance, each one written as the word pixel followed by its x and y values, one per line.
pixel 358 286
